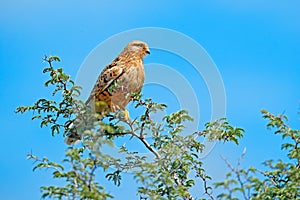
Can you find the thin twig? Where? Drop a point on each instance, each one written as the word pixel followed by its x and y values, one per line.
pixel 237 172
pixel 31 156
pixel 92 175
pixel 142 139
pixel 74 191
pixel 206 188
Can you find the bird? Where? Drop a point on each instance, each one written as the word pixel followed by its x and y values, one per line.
pixel 116 84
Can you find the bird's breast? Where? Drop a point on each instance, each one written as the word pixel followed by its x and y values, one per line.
pixel 130 82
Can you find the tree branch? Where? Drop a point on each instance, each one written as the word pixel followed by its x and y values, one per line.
pixel 237 173
pixel 143 140
pixel 206 188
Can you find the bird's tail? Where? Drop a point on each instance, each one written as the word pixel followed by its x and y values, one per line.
pixel 78 126
pixel 72 136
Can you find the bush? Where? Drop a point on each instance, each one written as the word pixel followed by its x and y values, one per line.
pixel 175 165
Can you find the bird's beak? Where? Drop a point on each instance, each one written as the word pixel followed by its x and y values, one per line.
pixel 147 51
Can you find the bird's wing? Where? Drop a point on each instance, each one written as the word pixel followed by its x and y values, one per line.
pixel 106 78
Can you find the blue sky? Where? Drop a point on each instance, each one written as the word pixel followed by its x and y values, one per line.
pixel 254 45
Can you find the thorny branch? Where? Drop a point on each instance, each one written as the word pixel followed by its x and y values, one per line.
pixel 143 140
pixel 92 174
pixel 237 173
pixel 140 135
pixel 206 188
pixel 190 197
pixel 44 161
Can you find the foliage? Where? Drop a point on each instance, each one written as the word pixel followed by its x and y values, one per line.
pixel 175 166
pixel 52 112
pixel 281 181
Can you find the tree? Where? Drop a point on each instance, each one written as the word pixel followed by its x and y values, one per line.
pixel 175 165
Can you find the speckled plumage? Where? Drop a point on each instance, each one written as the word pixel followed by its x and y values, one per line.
pixel 123 77
pixel 117 82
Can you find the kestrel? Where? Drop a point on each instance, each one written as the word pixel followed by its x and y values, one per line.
pixel 117 82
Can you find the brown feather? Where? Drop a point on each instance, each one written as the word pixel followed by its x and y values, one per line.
pixel 118 81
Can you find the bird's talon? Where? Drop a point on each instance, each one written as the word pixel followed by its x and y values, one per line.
pixel 126 116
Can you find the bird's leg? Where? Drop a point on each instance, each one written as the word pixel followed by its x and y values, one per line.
pixel 126 115
pixel 123 115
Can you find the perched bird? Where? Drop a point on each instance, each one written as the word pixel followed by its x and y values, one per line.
pixel 116 83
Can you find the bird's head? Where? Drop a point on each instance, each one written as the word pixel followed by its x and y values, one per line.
pixel 137 47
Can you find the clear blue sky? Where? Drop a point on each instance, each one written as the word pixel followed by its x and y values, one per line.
pixel 255 46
